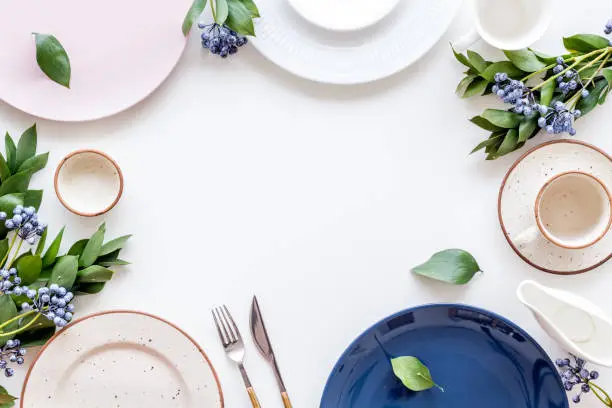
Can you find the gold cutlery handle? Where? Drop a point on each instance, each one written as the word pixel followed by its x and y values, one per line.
pixel 253 397
pixel 286 402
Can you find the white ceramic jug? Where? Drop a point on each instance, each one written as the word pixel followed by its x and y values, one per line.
pixel 575 323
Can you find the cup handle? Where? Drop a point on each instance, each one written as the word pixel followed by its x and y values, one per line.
pixel 466 40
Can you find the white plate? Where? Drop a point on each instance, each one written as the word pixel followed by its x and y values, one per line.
pixel 343 15
pixel 120 51
pixel 404 36
pixel 121 359
pixel 517 198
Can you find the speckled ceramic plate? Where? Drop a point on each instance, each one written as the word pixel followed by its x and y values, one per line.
pixel 517 198
pixel 121 359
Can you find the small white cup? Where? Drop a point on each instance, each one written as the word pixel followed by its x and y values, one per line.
pixel 507 24
pixel 343 15
pixel 573 210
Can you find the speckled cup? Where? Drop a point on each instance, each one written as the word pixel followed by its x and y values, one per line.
pixel 573 210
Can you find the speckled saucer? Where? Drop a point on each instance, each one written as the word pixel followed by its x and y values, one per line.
pixel 517 197
pixel 121 359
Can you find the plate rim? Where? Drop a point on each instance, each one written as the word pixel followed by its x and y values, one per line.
pixel 119 311
pixel 499 203
pixel 447 305
pixel 323 80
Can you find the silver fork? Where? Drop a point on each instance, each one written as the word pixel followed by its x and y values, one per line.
pixel 233 345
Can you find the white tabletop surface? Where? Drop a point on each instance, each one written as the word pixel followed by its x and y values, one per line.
pixel 243 179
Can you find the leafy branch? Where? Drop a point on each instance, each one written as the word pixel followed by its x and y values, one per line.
pixel 237 15
pixel 563 89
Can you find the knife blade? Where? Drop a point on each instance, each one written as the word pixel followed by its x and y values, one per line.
pixel 262 341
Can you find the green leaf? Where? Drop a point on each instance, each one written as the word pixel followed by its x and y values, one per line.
pixel 52 59
pixel 17 183
pixel 35 163
pixel 51 254
pixel 29 268
pixel 477 87
pixel 11 153
pixel 504 66
pixel 114 245
pixel 494 139
pixel 5 172
pixel 94 274
pixel 501 118
pixel 91 288
pixel 587 104
pixel 92 248
pixel 33 198
pixel 8 310
pixel 239 18
pixel 545 58
pixel 546 93
pixel 37 334
pixel 41 243
pixel 77 248
pixel 26 148
pixel 461 58
pixel 526 129
pixel 484 124
pixel 607 74
pixel 4 247
pixel 509 144
pixel 250 5
pixel 65 271
pixel 525 60
pixel 585 42
pixel 452 265
pixel 477 61
pixel 221 11
pixel 196 9
pixel 117 262
pixel 6 400
pixel 464 83
pixel 413 373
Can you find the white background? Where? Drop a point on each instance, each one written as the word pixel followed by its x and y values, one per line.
pixel 243 179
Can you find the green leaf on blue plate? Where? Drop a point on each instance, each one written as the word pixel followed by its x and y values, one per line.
pixel 413 373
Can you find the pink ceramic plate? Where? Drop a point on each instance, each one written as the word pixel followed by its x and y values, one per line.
pixel 120 52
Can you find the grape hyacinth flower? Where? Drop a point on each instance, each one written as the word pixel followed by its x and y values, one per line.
pixel 574 375
pixel 52 302
pixel 11 352
pixel 559 119
pixel 221 40
pixel 26 222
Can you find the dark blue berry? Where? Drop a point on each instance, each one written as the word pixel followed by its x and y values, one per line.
pixel 594 375
pixel 233 49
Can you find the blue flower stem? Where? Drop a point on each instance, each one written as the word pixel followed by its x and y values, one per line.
pixel 577 61
pixel 604 397
pixel 16 252
pixel 9 250
pixel 16 318
pixel 212 9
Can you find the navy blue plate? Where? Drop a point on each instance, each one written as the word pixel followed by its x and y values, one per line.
pixel 481 359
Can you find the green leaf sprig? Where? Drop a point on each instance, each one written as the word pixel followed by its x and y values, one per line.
pixel 52 58
pixel 454 266
pixel 6 399
pixel 238 15
pixel 413 374
pixel 588 55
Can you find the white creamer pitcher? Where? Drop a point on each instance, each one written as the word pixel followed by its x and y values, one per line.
pixel 575 323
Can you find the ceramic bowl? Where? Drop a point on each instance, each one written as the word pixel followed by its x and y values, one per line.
pixel 88 182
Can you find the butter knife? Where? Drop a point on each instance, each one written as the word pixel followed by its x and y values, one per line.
pixel 262 341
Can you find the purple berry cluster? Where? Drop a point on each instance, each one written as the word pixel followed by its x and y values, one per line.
pixel 26 222
pixel 518 94
pixel 221 40
pixel 608 27
pixel 575 375
pixel 52 302
pixel 11 352
pixel 570 80
pixel 559 119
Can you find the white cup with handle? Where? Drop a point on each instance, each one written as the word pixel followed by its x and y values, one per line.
pixel 507 24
